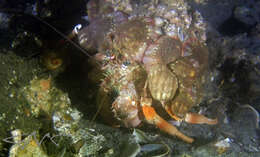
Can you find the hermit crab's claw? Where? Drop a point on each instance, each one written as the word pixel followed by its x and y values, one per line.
pixel 153 118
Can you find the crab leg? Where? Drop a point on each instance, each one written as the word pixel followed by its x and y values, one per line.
pixel 153 118
pixel 195 118
pixel 168 110
pixel 192 118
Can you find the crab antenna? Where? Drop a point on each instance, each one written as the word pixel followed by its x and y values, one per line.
pixel 53 28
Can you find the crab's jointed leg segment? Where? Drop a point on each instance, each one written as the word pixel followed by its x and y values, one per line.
pixel 153 118
pixel 168 110
pixel 192 118
pixel 195 118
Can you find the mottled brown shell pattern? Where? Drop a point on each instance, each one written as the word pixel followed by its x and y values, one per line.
pixel 131 38
pixel 162 83
pixel 191 73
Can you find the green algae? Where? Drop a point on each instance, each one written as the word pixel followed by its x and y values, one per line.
pixel 16 72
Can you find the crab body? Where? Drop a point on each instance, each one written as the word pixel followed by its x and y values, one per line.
pixel 158 55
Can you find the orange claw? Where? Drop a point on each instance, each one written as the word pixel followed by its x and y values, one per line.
pixel 195 118
pixel 153 118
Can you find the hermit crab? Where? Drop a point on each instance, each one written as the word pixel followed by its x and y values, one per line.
pixel 148 57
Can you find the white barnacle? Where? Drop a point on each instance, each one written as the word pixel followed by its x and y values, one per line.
pixel 159 21
pixel 170 30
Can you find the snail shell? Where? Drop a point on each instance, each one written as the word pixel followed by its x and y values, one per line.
pixel 162 83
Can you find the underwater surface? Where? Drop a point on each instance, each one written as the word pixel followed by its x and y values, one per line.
pixel 126 78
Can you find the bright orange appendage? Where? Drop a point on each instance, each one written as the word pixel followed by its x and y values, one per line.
pixel 195 118
pixel 153 118
pixel 149 113
pixel 168 110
